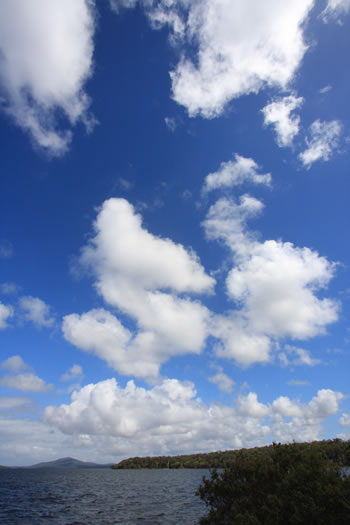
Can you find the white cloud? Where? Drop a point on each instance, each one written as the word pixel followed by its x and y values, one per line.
pixel 273 285
pixel 222 380
pixel 325 404
pixel 302 357
pixel 142 275
pixel 42 443
pixel 306 419
pixel 169 418
pixel 123 248
pixel 277 285
pixel 225 220
pixel 325 89
pixel 323 141
pixel 46 56
pixel 72 374
pixel 105 422
pixel 233 173
pixel 335 9
pixel 238 341
pixel 22 377
pixel 36 311
pixel 27 382
pixel 101 333
pixel 278 114
pixel 5 313
pixel 116 5
pixel 286 408
pixel 240 47
pixel 14 364
pixel 249 406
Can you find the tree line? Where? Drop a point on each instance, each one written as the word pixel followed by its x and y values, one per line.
pixel 335 450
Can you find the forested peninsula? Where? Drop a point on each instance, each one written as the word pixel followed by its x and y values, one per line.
pixel 335 450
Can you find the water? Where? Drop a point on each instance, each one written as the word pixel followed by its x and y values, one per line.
pixel 96 496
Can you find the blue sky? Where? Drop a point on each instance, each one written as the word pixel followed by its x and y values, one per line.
pixel 174 211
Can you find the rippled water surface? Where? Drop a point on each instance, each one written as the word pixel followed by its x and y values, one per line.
pixel 69 496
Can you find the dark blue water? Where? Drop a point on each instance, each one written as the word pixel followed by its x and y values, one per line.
pixel 69 496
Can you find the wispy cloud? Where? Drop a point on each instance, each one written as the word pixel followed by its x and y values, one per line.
pixel 171 123
pixel 6 249
pixel 325 89
pixel 295 356
pixel 335 9
pixel 298 382
pixel 323 141
pixel 8 288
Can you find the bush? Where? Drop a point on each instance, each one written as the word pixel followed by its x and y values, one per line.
pixel 282 484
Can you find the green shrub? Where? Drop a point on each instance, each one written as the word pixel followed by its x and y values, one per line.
pixel 282 484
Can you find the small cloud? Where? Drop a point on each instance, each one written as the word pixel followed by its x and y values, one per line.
pixel 171 123
pixel 5 313
pixel 223 381
pixel 126 184
pixel 279 114
pixel 235 172
pixel 26 382
pixel 325 90
pixel 298 382
pixel 6 249
pixel 72 374
pixel 117 5
pixel 301 357
pixel 186 195
pixel 15 364
pixel 8 288
pixel 36 311
pixel 322 142
pixel 334 351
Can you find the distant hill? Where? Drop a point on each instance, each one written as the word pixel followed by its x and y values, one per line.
pixel 69 463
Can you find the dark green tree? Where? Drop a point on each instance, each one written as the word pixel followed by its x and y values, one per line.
pixel 283 484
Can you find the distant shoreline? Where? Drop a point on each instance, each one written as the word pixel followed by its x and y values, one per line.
pixel 336 450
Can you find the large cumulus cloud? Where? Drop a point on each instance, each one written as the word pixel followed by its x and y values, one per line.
pixel 145 277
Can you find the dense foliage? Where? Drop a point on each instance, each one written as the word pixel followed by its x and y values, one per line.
pixel 281 484
pixel 336 450
pixel 209 460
